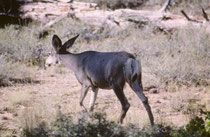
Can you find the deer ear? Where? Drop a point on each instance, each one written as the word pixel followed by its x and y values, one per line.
pixel 56 42
pixel 70 42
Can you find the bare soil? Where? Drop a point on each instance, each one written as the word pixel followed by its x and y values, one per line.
pixel 58 88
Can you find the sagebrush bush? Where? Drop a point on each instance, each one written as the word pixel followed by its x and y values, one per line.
pixel 11 73
pixel 181 57
pixel 98 126
pixel 20 44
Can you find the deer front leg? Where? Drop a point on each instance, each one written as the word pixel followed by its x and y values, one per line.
pixel 93 98
pixel 83 95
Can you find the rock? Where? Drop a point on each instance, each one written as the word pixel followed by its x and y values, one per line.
pixel 153 90
pixel 48 10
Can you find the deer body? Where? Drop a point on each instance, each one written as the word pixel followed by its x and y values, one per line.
pixel 103 70
pixel 96 69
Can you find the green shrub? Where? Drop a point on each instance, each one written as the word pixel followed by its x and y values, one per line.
pixel 197 127
pixel 207 120
pixel 98 126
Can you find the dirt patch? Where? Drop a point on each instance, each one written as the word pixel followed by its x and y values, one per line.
pixel 59 89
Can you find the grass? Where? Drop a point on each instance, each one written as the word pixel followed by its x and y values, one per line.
pixel 19 99
pixel 20 44
pixel 185 103
pixel 192 7
pixel 11 73
pixel 98 126
pixel 181 57
pixel 177 60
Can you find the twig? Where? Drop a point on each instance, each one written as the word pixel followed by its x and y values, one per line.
pixel 205 15
pixel 183 12
pixel 9 15
pixel 54 21
pixel 165 5
pixel 188 18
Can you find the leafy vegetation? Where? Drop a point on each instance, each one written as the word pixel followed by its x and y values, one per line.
pixel 98 126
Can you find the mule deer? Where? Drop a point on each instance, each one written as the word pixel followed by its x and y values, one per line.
pixel 104 70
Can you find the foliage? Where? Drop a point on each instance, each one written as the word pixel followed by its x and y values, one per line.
pixel 98 126
pixel 206 120
pixel 197 127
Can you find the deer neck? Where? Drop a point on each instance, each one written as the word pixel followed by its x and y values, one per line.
pixel 69 60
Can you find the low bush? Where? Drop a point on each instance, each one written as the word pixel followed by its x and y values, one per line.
pixel 20 44
pixel 98 126
pixel 181 57
pixel 11 73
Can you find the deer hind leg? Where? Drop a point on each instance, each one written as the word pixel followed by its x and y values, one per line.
pixel 93 98
pixel 137 87
pixel 124 102
pixel 83 95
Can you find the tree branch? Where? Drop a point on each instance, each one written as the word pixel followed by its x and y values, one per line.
pixel 185 15
pixel 165 5
pixel 189 19
pixel 9 15
pixel 205 15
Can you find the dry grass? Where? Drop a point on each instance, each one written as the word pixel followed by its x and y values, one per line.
pixel 11 73
pixel 37 105
pixel 192 7
pixel 182 57
pixel 177 64
pixel 21 44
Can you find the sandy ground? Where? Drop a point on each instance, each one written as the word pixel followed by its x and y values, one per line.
pixel 58 88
